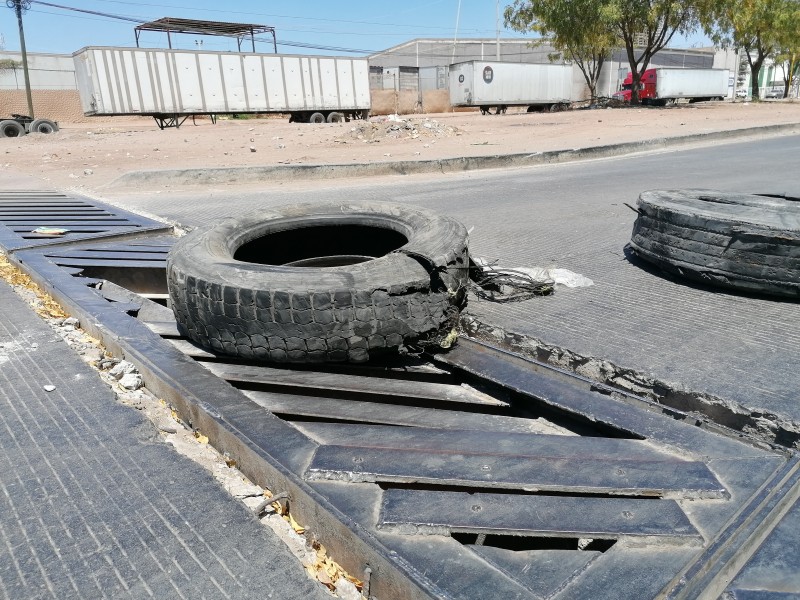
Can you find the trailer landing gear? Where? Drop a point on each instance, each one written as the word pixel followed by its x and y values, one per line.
pixel 166 121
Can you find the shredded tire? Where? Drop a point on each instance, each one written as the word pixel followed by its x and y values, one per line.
pixel 285 312
pixel 738 241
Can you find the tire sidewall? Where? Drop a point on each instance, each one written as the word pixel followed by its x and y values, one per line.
pixel 11 126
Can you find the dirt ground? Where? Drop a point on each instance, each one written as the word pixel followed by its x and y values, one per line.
pixel 87 158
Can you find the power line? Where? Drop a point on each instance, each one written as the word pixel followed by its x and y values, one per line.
pixel 304 18
pixel 90 12
pixel 288 43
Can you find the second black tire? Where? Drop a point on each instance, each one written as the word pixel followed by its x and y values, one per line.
pixel 739 241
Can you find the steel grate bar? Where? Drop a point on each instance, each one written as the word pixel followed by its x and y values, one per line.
pixel 294 406
pixel 356 384
pixel 94 255
pixel 409 512
pixel 573 447
pixel 120 264
pixel 617 476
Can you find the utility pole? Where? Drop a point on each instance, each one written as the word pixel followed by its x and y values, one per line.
pixel 19 6
pixel 497 25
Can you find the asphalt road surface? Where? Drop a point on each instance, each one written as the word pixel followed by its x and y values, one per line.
pixel 586 187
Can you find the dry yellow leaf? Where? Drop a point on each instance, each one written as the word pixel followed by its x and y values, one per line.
pixel 323 578
pixel 48 307
pixel 297 527
pixel 355 581
pixel 332 569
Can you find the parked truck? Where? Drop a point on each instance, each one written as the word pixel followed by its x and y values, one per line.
pixel 494 86
pixel 18 125
pixel 661 86
pixel 172 85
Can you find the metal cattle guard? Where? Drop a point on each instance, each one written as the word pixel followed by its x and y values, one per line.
pixel 470 474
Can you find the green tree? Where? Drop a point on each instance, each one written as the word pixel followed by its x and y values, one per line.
pixel 788 53
pixel 9 64
pixel 575 28
pixel 755 26
pixel 645 27
pixel 589 29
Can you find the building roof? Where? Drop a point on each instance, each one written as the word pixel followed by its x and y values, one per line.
pixel 192 26
pixel 238 30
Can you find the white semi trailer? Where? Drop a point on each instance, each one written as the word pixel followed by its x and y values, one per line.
pixel 667 85
pixel 172 85
pixel 494 86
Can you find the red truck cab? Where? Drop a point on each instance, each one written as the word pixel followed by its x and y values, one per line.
pixel 647 86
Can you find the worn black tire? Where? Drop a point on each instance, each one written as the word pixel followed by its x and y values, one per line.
pixel 11 128
pixel 319 314
pixel 335 117
pixel 316 117
pixel 738 241
pixel 43 126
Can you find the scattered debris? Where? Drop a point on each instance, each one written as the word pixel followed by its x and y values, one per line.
pixel 563 277
pixel 398 128
pixel 121 369
pixel 53 231
pixel 49 388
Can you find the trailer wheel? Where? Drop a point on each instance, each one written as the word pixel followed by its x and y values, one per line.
pixel 43 126
pixel 316 117
pixel 335 117
pixel 327 282
pixel 738 241
pixel 11 128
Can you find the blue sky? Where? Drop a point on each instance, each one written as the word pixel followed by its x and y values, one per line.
pixel 302 27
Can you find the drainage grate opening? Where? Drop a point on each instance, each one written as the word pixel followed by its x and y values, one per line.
pixel 364 395
pixel 142 280
pixel 463 489
pixel 517 543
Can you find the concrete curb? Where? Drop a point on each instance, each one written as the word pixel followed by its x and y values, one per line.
pixel 203 176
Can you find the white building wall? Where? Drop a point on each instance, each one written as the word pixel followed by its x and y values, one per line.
pixel 46 72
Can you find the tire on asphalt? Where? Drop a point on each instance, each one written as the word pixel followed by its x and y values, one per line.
pixel 738 241
pixel 43 126
pixel 316 117
pixel 326 282
pixel 11 128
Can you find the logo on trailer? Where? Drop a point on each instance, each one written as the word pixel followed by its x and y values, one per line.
pixel 461 78
pixel 488 74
